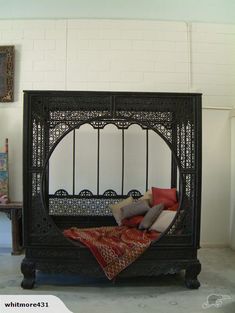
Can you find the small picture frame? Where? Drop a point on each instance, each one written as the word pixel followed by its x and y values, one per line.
pixel 7 54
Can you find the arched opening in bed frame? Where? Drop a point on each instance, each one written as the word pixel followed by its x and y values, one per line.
pixel 85 208
pixel 51 115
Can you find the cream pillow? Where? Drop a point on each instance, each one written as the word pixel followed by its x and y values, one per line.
pixel 116 209
pixel 147 196
pixel 163 221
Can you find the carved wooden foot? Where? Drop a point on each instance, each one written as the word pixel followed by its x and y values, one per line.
pixel 28 270
pixel 192 271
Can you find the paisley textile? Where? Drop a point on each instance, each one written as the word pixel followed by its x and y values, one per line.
pixel 113 247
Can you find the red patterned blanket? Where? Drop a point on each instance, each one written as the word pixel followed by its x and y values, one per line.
pixel 113 247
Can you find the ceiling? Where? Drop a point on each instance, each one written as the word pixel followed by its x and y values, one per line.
pixel 211 11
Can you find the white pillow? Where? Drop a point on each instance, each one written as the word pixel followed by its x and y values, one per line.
pixel 116 209
pixel 163 221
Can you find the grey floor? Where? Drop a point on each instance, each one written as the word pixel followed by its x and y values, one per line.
pixel 164 294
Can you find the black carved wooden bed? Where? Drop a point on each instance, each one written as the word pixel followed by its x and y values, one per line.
pixel 51 115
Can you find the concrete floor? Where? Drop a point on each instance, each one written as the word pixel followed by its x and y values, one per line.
pixel 163 295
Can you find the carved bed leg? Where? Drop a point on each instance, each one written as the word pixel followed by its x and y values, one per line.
pixel 192 271
pixel 28 270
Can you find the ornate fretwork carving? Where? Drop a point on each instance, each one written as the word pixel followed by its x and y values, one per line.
pixel 36 181
pixel 134 193
pixel 37 143
pixel 159 121
pixel 72 118
pixel 122 124
pixel 146 117
pixel 56 133
pixel 164 131
pixel 183 221
pixel 176 227
pixel 110 193
pixel 98 124
pixel 185 145
pixel 85 193
pixel 87 205
pixel 61 192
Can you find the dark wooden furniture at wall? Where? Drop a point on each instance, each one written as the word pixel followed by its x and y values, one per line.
pixel 14 211
pixel 48 117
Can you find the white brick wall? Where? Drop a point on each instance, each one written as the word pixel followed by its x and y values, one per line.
pixel 123 55
pixel 213 63
pixel 40 54
pixel 128 55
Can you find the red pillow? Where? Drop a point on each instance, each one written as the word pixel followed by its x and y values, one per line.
pixel 174 207
pixel 166 196
pixel 133 221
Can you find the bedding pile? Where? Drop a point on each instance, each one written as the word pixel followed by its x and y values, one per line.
pixel 139 224
pixel 114 247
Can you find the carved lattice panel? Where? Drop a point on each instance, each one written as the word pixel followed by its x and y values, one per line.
pixel 37 143
pixel 185 145
pixel 81 206
pixel 36 184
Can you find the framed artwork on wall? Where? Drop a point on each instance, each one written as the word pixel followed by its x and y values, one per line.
pixel 7 73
